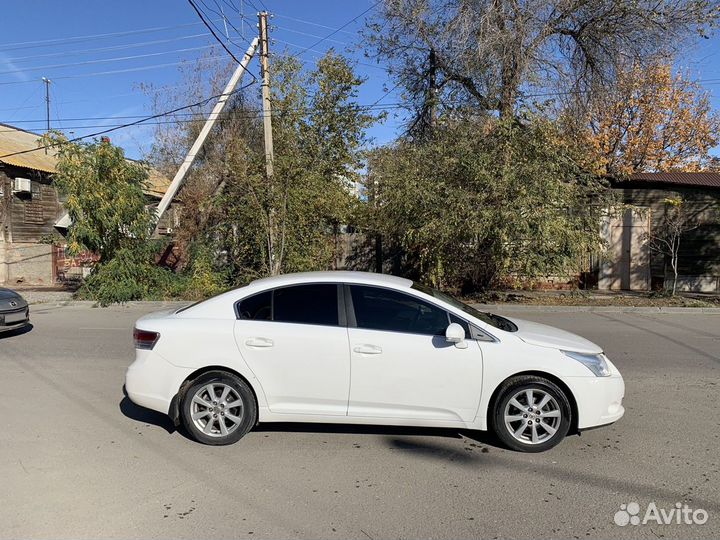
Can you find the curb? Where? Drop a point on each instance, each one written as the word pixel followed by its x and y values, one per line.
pixel 485 307
pixel 92 303
pixel 597 309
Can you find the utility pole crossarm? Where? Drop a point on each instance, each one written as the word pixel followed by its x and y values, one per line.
pixel 209 123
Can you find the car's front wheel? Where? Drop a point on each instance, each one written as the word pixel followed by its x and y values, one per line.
pixel 218 408
pixel 531 414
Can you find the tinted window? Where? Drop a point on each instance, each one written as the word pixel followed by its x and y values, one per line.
pixel 256 307
pixel 489 318
pixel 384 309
pixel 308 304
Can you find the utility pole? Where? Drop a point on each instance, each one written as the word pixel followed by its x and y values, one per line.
pixel 433 90
pixel 204 132
pixel 47 100
pixel 273 256
pixel 242 19
pixel 267 119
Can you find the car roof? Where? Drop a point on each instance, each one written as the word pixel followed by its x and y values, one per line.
pixel 336 276
pixel 219 304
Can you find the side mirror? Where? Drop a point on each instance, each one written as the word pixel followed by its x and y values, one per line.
pixel 456 334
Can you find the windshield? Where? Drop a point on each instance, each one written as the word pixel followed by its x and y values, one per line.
pixel 489 318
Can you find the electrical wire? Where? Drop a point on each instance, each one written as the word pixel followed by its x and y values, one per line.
pixel 93 37
pixel 331 34
pixel 322 53
pixel 104 60
pixel 129 124
pixel 311 23
pixel 107 49
pixel 202 18
pixel 127 70
pixel 202 115
pixel 309 35
pixel 221 14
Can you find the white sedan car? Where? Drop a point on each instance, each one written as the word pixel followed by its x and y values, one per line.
pixel 361 348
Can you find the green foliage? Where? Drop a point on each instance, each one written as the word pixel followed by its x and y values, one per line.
pixel 103 194
pixel 484 199
pixel 202 279
pixel 290 221
pixel 131 275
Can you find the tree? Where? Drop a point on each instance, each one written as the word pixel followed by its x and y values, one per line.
pixel 652 121
pixel 483 200
pixel 491 55
pixel 103 194
pixel 318 131
pixel 679 217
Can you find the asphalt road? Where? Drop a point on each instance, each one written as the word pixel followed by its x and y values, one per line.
pixel 78 460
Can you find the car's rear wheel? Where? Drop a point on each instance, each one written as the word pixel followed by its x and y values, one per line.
pixel 218 408
pixel 531 414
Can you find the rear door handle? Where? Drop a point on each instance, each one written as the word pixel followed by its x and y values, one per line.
pixel 367 349
pixel 259 342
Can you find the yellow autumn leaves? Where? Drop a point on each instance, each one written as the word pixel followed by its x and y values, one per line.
pixel 653 120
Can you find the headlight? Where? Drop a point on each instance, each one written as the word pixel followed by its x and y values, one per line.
pixel 594 362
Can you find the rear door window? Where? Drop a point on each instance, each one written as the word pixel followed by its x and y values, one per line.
pixel 257 307
pixel 315 303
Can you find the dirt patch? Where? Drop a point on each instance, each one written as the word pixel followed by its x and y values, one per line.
pixel 594 298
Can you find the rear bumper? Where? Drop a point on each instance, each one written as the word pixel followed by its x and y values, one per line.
pixel 152 382
pixel 599 399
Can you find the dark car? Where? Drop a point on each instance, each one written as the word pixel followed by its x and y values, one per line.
pixel 14 310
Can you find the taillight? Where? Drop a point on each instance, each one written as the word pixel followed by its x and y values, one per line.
pixel 145 339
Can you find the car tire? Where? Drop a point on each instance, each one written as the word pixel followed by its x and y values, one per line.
pixel 546 420
pixel 230 415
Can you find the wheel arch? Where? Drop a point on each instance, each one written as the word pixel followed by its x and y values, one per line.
pixel 174 411
pixel 549 376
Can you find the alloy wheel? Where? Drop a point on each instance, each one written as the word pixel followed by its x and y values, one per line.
pixel 532 416
pixel 217 409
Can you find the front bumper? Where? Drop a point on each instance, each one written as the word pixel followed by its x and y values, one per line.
pixel 152 382
pixel 599 399
pixel 14 319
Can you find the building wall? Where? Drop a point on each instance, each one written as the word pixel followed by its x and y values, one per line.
pixel 26 263
pixel 26 220
pixel 628 260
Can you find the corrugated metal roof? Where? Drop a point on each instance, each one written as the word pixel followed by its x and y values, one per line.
pixel 14 140
pixel 694 179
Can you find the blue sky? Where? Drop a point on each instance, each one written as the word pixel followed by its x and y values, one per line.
pixel 97 77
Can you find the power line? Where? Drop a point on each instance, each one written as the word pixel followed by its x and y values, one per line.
pixel 322 53
pixel 309 35
pixel 78 39
pixel 202 18
pixel 203 114
pixel 311 23
pixel 224 18
pixel 106 49
pixel 141 121
pixel 331 34
pixel 104 60
pixel 127 70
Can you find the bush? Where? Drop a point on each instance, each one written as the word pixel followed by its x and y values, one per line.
pixel 203 279
pixel 130 275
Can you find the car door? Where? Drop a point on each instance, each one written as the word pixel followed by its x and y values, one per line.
pixel 401 364
pixel 295 341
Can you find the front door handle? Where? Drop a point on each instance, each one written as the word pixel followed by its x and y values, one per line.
pixel 259 342
pixel 366 348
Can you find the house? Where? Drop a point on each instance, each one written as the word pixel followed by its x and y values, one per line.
pixel 31 211
pixel 632 265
